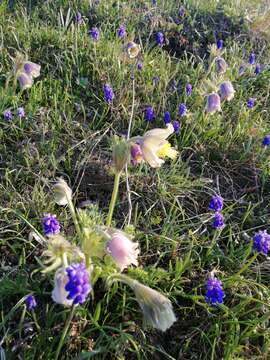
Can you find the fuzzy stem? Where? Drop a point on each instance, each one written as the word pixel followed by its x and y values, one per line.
pixel 75 219
pixel 64 333
pixel 113 198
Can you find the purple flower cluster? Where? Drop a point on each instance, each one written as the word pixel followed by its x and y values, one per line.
pixel 78 286
pixel 121 32
pixel 261 242
pixel 266 140
pixel 159 38
pixel 149 114
pixel 30 302
pixel 250 103
pixel 8 116
pixel 50 225
pixel 188 89
pixel 108 93
pixel 214 293
pixel 219 44
pixel 94 34
pixel 167 117
pixel 218 221
pixel 216 204
pixel 182 109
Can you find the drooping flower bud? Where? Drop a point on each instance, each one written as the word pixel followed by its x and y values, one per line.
pixel 213 103
pixel 226 90
pixel 62 192
pixel 121 150
pixel 221 65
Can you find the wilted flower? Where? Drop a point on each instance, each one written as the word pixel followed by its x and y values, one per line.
pixel 94 33
pixel 214 293
pixel 266 140
pixel 121 32
pixel 159 38
pixel 149 114
pixel 188 89
pixel 251 59
pixel 218 221
pixel 123 250
pixel 30 302
pixel 136 154
pixel 250 103
pixel 7 115
pixel 261 242
pixel 78 286
pixel 257 69
pixel 157 308
pixel 139 66
pixel 167 117
pixel 219 44
pixel 62 192
pixel 108 93
pixel 133 49
pixel 31 69
pixel 20 112
pixel 216 203
pixel 59 293
pixel 50 225
pixel 120 153
pixel 155 147
pixel 221 65
pixel 176 126
pixel 213 103
pixel 226 90
pixel 182 110
pixel 25 81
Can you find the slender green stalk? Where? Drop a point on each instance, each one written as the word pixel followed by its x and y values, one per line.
pixel 64 333
pixel 113 198
pixel 75 219
pixel 21 321
pixel 35 321
pixel 246 266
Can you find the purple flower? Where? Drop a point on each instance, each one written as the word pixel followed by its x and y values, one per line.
pixel 188 89
pixel 50 225
pixel 182 11
pixel 213 103
pixel 226 90
pixel 108 93
pixel 25 81
pixel 94 33
pixel 219 44
pixel 251 59
pixel 20 112
pixel 159 38
pixel 216 203
pixel 261 242
pixel 7 115
pixel 78 18
pixel 221 65
pixel 31 69
pixel 218 221
pixel 241 69
pixel 139 66
pixel 149 114
pixel 257 69
pixel 176 126
pixel 121 32
pixel 250 103
pixel 266 140
pixel 77 286
pixel 167 117
pixel 136 154
pixel 30 302
pixel 214 293
pixel 154 2
pixel 182 109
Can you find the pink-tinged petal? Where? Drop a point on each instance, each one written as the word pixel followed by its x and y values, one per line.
pixel 25 81
pixel 31 69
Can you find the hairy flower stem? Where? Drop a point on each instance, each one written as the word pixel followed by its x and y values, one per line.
pixel 113 198
pixel 75 219
pixel 64 333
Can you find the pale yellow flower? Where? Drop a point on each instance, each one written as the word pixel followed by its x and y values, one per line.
pixel 133 49
pixel 62 192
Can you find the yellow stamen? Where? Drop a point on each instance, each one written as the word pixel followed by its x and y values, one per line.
pixel 167 150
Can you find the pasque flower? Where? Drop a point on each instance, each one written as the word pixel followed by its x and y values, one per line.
pixel 214 292
pixel 157 308
pixel 123 250
pixel 31 69
pixel 155 147
pixel 78 18
pixel 226 90
pixel 136 154
pixel 216 203
pixel 59 293
pixel 62 192
pixel 132 49
pixel 213 103
pixel 30 302
pixel 50 225
pixel 25 81
pixel 261 242
pixel 77 286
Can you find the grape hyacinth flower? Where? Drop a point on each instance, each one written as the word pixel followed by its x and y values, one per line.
pixel 182 110
pixel 221 65
pixel 108 93
pixel 250 103
pixel 216 203
pixel 77 286
pixel 7 115
pixel 218 221
pixel 30 302
pixel 136 154
pixel 257 69
pixel 188 89
pixel 214 292
pixel 242 68
pixel 219 44
pixel 154 2
pixel 121 32
pixel 78 18
pixel 176 126
pixel 149 114
pixel 50 225
pixel 167 117
pixel 160 38
pixel 226 90
pixel 251 59
pixel 20 112
pixel 139 66
pixel 94 34
pixel 213 103
pixel 266 140
pixel 123 250
pixel 261 242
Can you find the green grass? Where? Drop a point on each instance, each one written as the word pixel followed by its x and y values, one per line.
pixel 67 132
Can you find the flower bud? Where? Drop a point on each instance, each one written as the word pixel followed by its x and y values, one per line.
pixel 221 65
pixel 213 103
pixel 226 90
pixel 62 192
pixel 121 150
